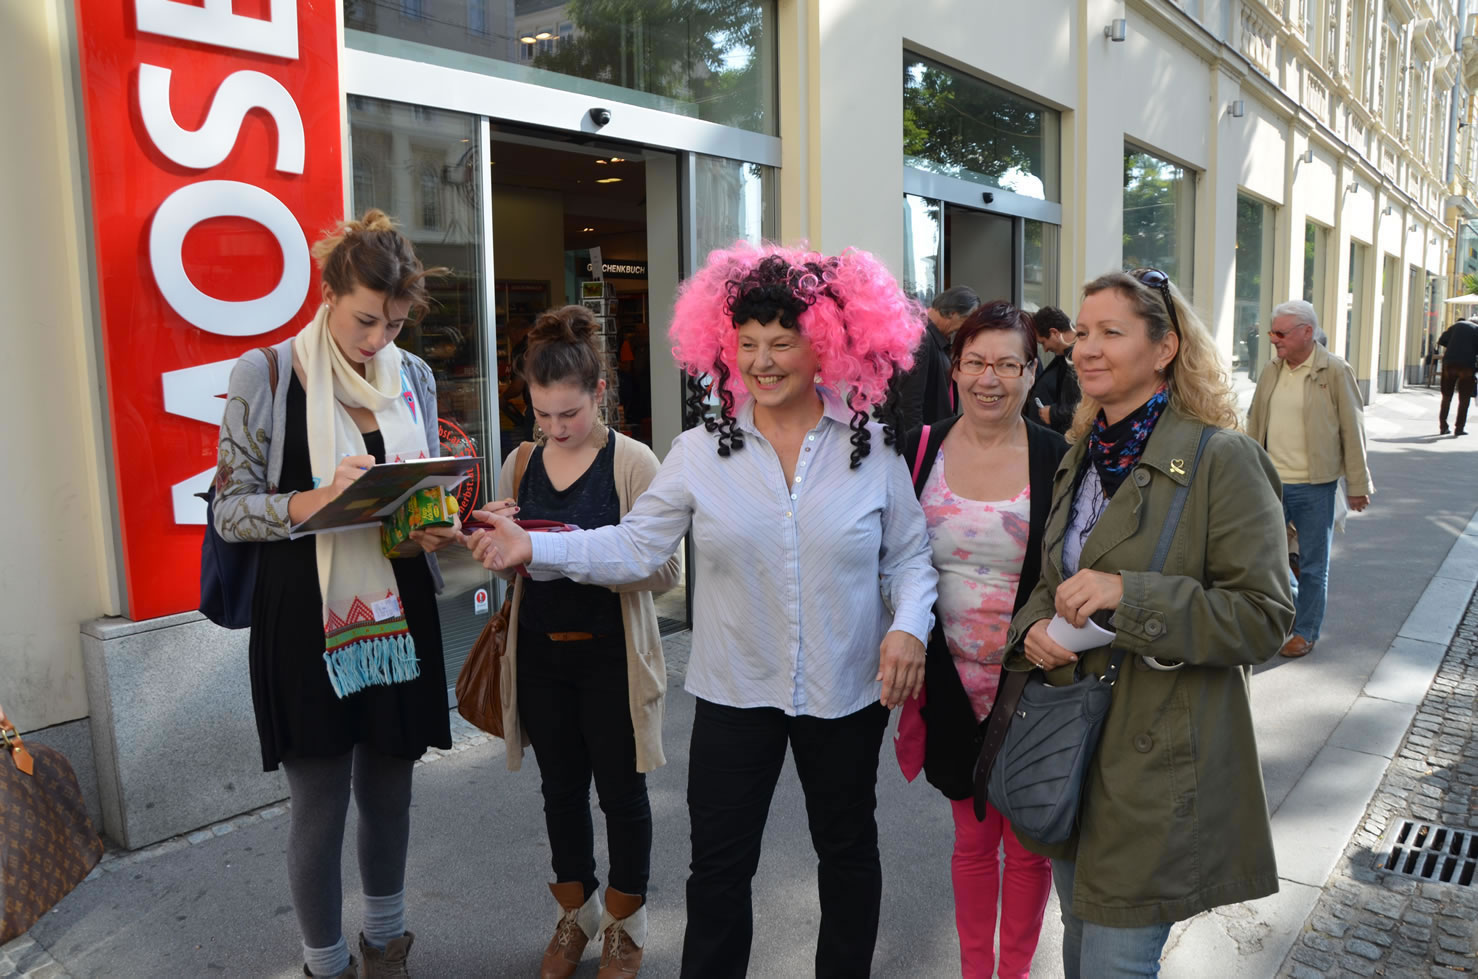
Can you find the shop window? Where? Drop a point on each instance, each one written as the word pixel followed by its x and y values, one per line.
pixel 738 202
pixel 712 61
pixel 923 247
pixel 959 125
pixel 427 179
pixel 1159 215
pixel 1316 261
pixel 1252 285
pixel 1039 285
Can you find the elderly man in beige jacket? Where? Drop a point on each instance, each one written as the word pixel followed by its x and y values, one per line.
pixel 1308 414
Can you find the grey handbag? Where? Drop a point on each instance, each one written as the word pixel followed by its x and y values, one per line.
pixel 1036 779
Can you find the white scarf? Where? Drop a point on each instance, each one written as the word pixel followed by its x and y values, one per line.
pixel 366 639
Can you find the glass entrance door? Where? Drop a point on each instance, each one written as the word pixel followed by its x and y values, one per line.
pixel 420 166
pixel 1000 256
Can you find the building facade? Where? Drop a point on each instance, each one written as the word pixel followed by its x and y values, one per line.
pixel 181 157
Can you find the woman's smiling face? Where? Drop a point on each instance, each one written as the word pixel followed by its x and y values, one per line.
pixel 778 364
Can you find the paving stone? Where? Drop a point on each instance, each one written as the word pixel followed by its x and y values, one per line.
pixel 1322 942
pixel 1330 926
pixel 1372 936
pixel 1322 961
pixel 1297 972
pixel 1364 949
pixel 1359 967
pixel 1458 946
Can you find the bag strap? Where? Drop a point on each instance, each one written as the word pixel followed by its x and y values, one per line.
pixel 11 741
pixel 918 459
pixel 520 464
pixel 271 356
pixel 1167 535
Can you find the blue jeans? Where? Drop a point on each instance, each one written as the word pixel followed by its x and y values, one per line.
pixel 1310 507
pixel 1100 950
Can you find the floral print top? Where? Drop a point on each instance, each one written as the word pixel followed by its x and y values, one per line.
pixel 978 550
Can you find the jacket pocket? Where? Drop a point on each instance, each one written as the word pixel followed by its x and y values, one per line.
pixel 1146 821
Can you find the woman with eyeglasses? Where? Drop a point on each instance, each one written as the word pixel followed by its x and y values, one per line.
pixel 984 478
pixel 1173 818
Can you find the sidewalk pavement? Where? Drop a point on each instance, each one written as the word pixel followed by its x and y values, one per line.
pixel 216 902
pixel 1373 917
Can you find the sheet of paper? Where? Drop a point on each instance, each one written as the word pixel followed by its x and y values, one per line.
pixel 1077 640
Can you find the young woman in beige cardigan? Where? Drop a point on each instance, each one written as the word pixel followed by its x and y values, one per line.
pixel 584 678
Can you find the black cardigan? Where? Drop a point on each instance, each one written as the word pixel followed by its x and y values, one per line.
pixel 952 736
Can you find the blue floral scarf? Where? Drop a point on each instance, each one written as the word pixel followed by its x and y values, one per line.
pixel 1116 448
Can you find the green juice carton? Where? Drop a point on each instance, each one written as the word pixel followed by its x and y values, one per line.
pixel 426 508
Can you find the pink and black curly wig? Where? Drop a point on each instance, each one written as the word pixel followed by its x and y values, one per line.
pixel 862 327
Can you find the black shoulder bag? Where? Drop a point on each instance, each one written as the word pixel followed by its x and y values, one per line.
pixel 1036 781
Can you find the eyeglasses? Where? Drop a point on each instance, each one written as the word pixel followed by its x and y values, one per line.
pixel 1156 279
pixel 1003 369
pixel 1280 334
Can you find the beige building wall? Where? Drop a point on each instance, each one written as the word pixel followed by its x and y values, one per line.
pixel 58 570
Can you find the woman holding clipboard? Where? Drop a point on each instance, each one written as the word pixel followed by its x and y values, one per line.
pixel 588 678
pixel 347 677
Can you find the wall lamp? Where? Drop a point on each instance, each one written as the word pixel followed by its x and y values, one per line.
pixel 1389 210
pixel 1308 155
pixel 1413 226
pixel 1117 29
pixel 1352 188
pixel 1237 108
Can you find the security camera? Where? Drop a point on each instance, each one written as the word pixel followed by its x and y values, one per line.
pixel 988 197
pixel 600 116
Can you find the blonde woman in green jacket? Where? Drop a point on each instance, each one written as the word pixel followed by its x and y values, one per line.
pixel 1174 819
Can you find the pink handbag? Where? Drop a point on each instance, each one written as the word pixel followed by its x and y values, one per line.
pixel 908 743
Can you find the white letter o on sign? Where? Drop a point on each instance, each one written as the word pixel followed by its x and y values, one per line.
pixel 207 199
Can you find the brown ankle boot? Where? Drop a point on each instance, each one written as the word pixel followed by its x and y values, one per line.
pixel 579 919
pixel 624 927
pixel 386 964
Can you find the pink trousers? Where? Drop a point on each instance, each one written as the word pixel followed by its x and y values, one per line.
pixel 975 872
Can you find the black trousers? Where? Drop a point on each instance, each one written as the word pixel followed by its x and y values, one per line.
pixel 734 763
pixel 573 704
pixel 1460 380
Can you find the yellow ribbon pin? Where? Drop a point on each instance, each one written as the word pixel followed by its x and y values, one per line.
pixel 1176 466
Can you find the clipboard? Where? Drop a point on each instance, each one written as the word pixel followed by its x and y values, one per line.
pixel 380 492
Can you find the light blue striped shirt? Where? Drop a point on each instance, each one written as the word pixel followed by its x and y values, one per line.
pixel 788 609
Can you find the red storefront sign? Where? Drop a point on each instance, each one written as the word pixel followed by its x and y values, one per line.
pixel 213 142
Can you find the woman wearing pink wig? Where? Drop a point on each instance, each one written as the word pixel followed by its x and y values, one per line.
pixel 796 516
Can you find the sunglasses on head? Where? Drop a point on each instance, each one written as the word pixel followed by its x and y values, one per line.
pixel 1155 279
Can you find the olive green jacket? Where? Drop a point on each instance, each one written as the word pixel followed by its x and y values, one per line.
pixel 1174 819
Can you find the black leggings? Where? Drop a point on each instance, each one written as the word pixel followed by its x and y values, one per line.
pixel 320 802
pixel 572 700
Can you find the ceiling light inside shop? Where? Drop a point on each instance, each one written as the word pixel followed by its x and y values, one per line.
pixel 600 161
pixel 609 180
pixel 618 159
pixel 543 36
pixel 587 229
pixel 529 39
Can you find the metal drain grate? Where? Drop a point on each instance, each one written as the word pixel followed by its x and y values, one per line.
pixel 1427 851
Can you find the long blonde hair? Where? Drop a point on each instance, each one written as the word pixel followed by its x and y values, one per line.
pixel 1198 383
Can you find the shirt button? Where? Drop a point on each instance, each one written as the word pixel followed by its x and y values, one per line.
pixel 1141 477
pixel 810 438
pixel 808 449
pixel 798 479
pixel 787 513
pixel 794 497
pixel 1143 743
pixel 803 462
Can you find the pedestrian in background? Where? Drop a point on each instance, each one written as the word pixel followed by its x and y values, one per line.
pixel 1173 818
pixel 984 479
pixel 1459 360
pixel 806 534
pixel 926 394
pixel 1308 414
pixel 349 398
pixel 585 660
pixel 1055 395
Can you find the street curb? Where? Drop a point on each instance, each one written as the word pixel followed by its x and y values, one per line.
pixel 1316 820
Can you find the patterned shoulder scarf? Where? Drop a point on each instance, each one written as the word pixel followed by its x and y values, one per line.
pixel 1116 448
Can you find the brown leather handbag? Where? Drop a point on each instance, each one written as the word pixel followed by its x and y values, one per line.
pixel 47 843
pixel 479 684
